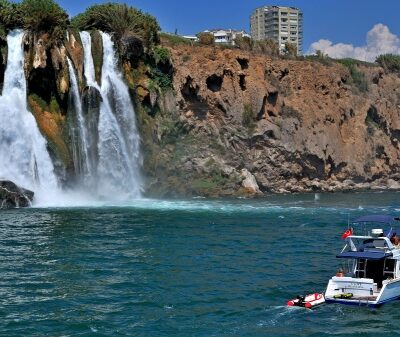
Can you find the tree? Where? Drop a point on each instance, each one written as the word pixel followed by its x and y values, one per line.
pixel 206 38
pixel 244 43
pixel 43 15
pixel 290 49
pixel 10 15
pixel 320 54
pixel 119 19
pixel 267 47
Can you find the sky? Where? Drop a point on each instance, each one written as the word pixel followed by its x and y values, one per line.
pixel 335 22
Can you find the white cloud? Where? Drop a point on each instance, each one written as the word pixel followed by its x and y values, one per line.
pixel 379 41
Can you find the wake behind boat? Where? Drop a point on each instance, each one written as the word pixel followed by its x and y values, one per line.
pixel 372 251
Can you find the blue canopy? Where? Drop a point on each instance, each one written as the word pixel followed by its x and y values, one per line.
pixel 376 218
pixel 374 255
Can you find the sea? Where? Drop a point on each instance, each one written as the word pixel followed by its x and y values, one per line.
pixel 195 267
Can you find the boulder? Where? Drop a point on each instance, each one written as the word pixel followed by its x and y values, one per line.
pixel 249 183
pixel 12 196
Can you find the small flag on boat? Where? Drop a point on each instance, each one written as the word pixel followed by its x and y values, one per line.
pixel 347 233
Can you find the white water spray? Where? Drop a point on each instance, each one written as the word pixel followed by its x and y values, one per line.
pixel 118 145
pixel 79 131
pixel 23 155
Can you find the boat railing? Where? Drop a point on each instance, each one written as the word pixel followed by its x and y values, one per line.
pixel 368 243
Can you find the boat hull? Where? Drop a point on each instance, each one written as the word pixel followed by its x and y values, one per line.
pixel 363 292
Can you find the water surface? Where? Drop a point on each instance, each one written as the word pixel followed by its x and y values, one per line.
pixel 183 268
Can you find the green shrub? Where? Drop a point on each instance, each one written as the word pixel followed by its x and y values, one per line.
pixel 248 117
pixel 290 49
pixel 357 76
pixel 119 19
pixel 161 80
pixel 389 62
pixel 244 43
pixel 161 54
pixel 186 58
pixel 206 38
pixel 266 47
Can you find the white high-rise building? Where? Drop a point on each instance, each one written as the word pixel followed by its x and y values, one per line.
pixel 281 24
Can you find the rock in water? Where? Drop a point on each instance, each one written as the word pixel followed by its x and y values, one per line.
pixel 12 196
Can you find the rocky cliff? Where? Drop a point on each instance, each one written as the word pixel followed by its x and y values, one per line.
pixel 225 122
pixel 237 123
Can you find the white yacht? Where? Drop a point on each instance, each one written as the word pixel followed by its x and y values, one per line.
pixel 372 268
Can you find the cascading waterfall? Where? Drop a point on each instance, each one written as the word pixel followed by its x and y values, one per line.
pixel 118 170
pixel 79 136
pixel 23 155
pixel 88 60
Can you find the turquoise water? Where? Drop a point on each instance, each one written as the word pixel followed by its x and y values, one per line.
pixel 183 268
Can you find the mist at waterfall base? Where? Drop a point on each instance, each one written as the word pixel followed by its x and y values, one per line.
pixel 183 268
pixel 105 148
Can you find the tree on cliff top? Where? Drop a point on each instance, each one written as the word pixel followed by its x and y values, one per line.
pixel 206 38
pixel 43 15
pixel 119 19
pixel 35 15
pixel 266 47
pixel 10 17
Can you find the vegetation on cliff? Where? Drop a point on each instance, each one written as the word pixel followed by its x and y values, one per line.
pixel 34 15
pixel 389 62
pixel 119 19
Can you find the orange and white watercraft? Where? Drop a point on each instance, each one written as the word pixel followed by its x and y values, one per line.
pixel 307 301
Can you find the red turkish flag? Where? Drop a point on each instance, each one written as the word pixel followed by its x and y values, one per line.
pixel 347 233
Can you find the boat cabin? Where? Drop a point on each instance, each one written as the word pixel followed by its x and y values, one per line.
pixel 372 253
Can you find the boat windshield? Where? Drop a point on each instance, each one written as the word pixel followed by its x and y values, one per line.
pixel 376 225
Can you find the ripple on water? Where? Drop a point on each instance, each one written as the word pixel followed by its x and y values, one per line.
pixel 182 268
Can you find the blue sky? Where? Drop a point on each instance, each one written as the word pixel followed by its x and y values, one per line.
pixel 346 21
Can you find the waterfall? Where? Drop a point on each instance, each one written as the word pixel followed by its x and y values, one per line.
pixel 23 154
pixel 118 170
pixel 88 60
pixel 79 136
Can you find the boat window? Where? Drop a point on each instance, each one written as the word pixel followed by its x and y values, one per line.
pixel 388 268
pixel 374 270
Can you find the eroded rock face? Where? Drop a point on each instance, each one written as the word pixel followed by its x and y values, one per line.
pixel 12 196
pixel 294 125
pixel 131 49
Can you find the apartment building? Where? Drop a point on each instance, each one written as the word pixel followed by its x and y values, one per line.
pixel 281 24
pixel 226 36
